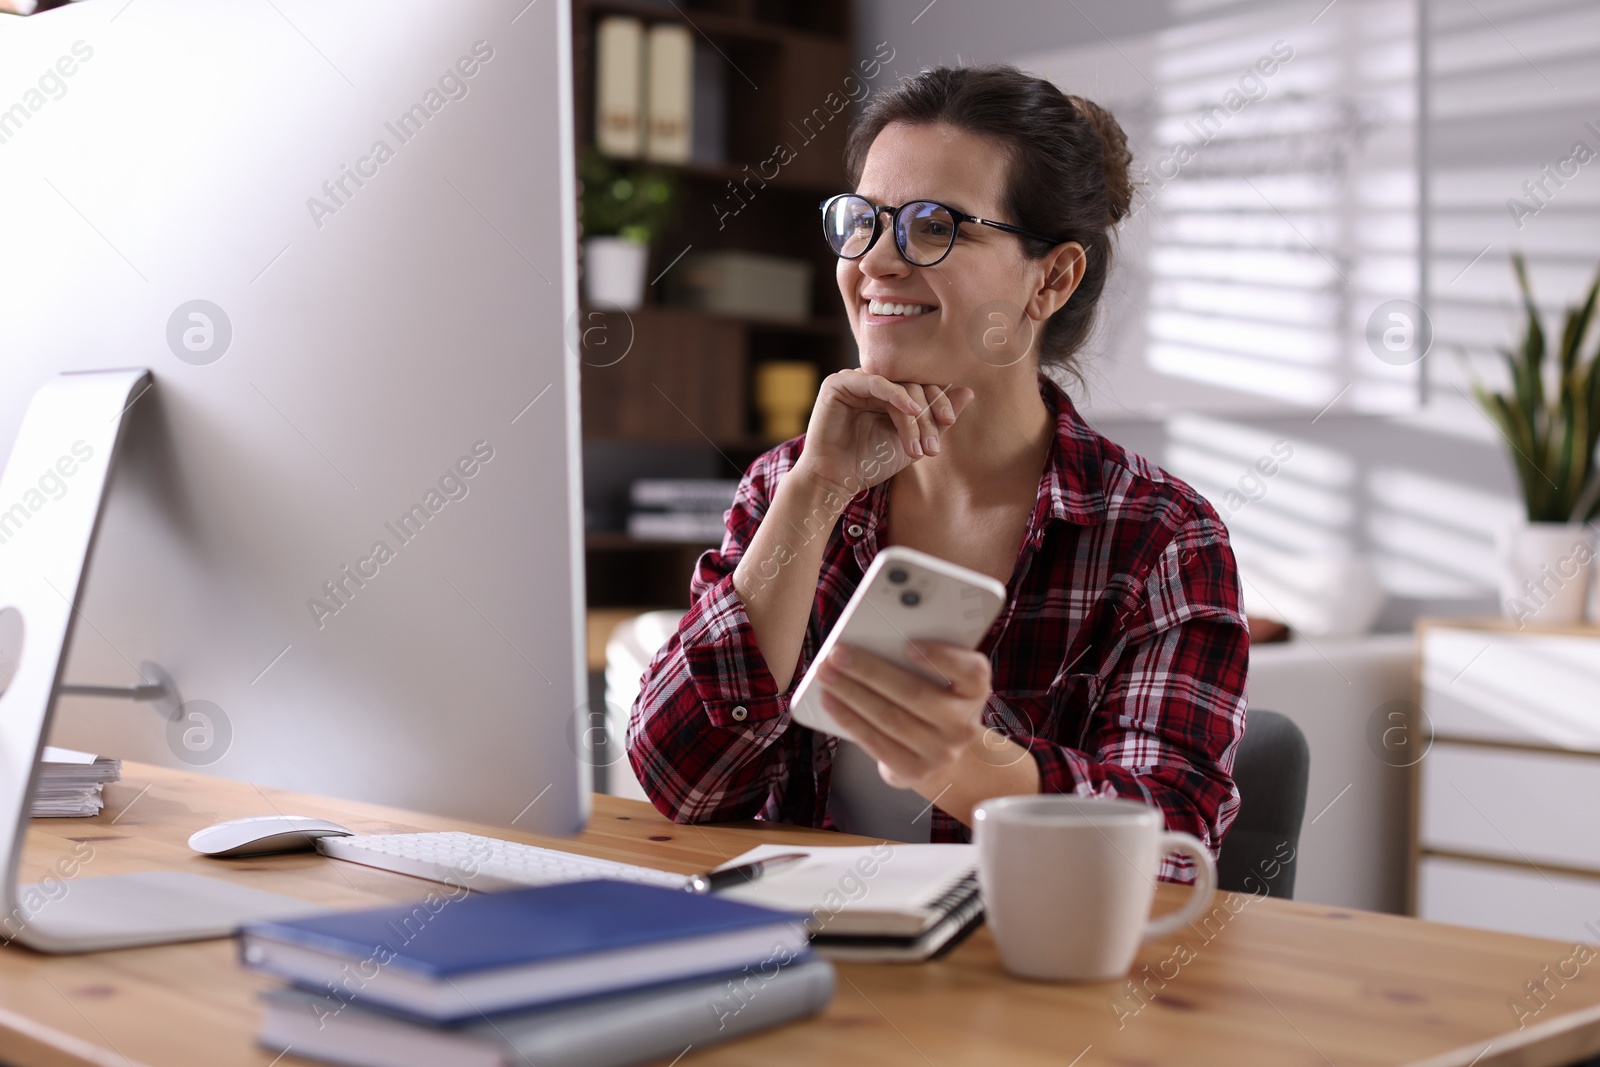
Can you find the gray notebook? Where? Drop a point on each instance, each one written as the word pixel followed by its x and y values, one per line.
pixel 647 1024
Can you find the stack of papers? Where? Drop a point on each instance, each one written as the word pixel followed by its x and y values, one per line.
pixel 70 783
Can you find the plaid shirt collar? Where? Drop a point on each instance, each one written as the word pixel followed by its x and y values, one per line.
pixel 1070 490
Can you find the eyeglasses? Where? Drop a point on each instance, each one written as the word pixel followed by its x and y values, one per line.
pixel 924 230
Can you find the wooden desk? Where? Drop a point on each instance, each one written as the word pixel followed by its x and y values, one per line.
pixel 1277 983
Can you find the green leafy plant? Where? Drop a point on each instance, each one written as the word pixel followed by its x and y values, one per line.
pixel 639 203
pixel 1552 432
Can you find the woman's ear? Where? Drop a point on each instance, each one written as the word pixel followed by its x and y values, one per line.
pixel 1063 269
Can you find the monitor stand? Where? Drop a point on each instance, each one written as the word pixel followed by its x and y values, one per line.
pixel 69 437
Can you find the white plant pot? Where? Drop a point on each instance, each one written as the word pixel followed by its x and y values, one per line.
pixel 613 272
pixel 1546 571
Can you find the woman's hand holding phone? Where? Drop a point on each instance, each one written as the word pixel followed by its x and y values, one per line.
pixel 927 737
pixel 919 731
pixel 865 428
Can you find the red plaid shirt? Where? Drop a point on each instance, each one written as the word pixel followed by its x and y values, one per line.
pixel 1118 662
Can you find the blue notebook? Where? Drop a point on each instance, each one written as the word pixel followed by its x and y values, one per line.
pixel 638 1026
pixel 452 959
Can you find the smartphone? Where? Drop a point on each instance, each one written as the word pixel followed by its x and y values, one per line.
pixel 905 596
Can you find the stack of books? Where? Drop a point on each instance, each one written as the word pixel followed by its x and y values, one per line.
pixel 680 509
pixel 70 783
pixel 658 95
pixel 597 974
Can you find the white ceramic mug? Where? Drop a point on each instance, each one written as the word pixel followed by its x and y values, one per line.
pixel 1067 882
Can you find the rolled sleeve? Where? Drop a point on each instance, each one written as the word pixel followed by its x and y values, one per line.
pixel 710 737
pixel 725 666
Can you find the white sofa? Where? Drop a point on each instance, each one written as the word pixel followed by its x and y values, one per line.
pixel 1353 844
pixel 628 653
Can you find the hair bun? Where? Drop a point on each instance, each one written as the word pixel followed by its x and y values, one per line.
pixel 1116 162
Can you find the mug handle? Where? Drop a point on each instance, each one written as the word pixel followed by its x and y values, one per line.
pixel 1205 884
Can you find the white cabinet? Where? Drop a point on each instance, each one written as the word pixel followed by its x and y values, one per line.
pixel 1533 808
pixel 1559 906
pixel 1506 827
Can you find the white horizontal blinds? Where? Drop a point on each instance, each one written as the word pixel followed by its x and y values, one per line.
pixel 1510 87
pixel 1283 191
pixel 1287 503
pixel 1514 108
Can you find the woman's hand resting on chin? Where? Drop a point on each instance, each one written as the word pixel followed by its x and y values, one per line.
pixel 865 428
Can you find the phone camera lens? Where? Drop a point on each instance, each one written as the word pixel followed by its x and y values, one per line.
pixel 910 598
pixel 898 576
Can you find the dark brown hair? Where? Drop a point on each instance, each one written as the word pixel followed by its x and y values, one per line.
pixel 1066 173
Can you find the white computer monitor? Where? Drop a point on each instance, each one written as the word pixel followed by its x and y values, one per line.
pixel 346 519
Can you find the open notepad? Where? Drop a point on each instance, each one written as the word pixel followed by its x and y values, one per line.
pixel 879 902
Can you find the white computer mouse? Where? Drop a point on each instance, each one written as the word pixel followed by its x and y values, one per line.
pixel 258 835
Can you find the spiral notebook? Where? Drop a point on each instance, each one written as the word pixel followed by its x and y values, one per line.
pixel 884 902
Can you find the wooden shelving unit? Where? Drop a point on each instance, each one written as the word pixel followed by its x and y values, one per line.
pixel 625 571
pixel 685 380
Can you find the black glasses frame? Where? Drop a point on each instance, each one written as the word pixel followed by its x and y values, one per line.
pixel 894 213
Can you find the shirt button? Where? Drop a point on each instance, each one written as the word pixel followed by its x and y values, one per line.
pixel 854 529
pixel 740 713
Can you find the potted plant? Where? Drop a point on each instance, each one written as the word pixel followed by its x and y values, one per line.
pixel 1550 418
pixel 625 209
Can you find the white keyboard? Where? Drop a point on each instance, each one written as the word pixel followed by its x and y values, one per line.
pixel 479 862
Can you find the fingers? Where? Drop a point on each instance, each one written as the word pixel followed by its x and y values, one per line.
pixel 910 434
pixel 903 410
pixel 916 729
pixel 940 406
pixel 874 392
pixel 967 671
pixel 919 412
pixel 898 765
pixel 938 703
pixel 863 386
pixel 927 426
pixel 883 713
pixel 904 743
pixel 873 736
pixel 944 409
pixel 890 680
pixel 958 396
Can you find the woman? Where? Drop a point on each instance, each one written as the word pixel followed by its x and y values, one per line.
pixel 972 255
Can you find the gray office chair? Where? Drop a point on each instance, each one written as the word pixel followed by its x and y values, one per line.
pixel 1271 770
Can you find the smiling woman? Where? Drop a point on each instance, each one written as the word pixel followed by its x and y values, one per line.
pixel 973 250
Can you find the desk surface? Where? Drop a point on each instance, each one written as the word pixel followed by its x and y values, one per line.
pixel 1270 982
